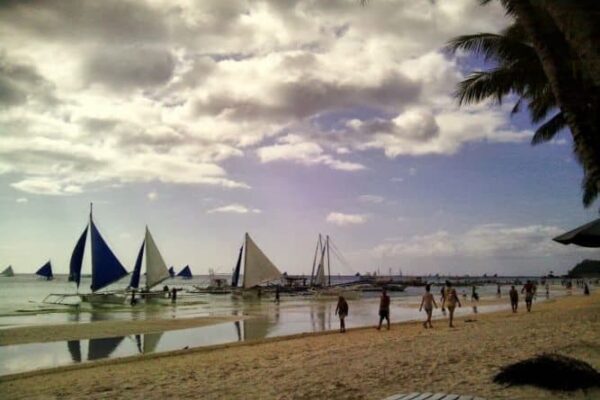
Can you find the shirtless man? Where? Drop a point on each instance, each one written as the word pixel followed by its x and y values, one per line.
pixel 384 309
pixel 428 302
pixel 529 289
pixel 450 301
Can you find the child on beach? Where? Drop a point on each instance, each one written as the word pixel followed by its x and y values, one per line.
pixel 428 302
pixel 384 309
pixel 342 311
pixel 450 301
pixel 514 299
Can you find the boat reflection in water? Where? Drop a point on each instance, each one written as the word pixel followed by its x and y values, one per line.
pixel 75 350
pixel 149 343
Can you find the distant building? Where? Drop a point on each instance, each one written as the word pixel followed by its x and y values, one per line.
pixel 586 269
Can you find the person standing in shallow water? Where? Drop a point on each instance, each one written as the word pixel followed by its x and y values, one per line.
pixel 450 301
pixel 342 311
pixel 529 290
pixel 442 297
pixel 384 309
pixel 514 298
pixel 428 302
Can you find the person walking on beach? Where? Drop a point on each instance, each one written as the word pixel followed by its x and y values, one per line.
pixel 529 290
pixel 586 289
pixel 514 299
pixel 498 292
pixel 474 298
pixel 384 309
pixel 277 294
pixel 342 311
pixel 428 302
pixel 450 301
pixel 442 297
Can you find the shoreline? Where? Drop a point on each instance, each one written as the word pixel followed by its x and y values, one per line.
pixel 104 329
pixel 362 363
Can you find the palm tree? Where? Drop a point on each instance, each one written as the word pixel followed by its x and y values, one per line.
pixel 518 71
pixel 565 58
pixel 563 50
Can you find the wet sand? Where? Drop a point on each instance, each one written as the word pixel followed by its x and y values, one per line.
pixel 363 363
pixel 102 329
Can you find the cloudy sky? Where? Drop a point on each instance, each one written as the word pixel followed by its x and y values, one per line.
pixel 206 119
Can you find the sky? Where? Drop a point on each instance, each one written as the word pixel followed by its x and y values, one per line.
pixel 207 119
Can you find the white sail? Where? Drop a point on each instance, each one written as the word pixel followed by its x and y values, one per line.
pixel 321 279
pixel 8 271
pixel 156 269
pixel 258 268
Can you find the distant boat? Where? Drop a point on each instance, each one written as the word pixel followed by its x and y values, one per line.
pixel 156 269
pixel 321 280
pixel 171 272
pixel 8 272
pixel 46 271
pixel 258 269
pixel 185 273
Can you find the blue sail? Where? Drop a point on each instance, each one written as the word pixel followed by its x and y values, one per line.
pixel 135 276
pixel 77 258
pixel 106 268
pixel 45 271
pixel 172 272
pixel 235 278
pixel 185 273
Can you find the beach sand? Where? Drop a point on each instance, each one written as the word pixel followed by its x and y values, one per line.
pixel 362 363
pixel 102 329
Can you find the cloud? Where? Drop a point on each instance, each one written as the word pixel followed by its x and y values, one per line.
pixel 22 200
pixel 234 209
pixel 397 179
pixel 152 195
pixel 483 241
pixel 370 198
pixel 169 91
pixel 342 219
pixel 293 148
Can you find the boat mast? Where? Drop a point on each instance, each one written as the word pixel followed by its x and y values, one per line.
pixel 328 264
pixel 312 274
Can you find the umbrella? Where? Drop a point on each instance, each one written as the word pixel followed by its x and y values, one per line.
pixel 587 235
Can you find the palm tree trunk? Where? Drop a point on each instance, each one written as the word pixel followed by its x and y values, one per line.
pixel 580 107
pixel 579 22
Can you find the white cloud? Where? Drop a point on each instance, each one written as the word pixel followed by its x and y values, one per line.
pixel 482 241
pixel 293 148
pixel 234 209
pixel 168 91
pixel 152 195
pixel 370 198
pixel 397 179
pixel 22 200
pixel 342 219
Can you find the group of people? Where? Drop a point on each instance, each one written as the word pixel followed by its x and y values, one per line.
pixel 449 301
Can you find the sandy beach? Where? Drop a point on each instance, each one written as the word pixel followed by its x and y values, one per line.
pixel 363 363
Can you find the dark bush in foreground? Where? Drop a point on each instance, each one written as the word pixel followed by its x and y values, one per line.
pixel 550 371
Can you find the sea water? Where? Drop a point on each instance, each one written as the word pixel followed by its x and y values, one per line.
pixel 21 304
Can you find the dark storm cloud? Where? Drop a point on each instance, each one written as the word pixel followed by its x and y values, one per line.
pixel 20 82
pixel 126 67
pixel 75 20
pixel 309 97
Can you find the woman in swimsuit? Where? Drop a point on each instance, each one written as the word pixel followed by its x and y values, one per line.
pixel 450 301
pixel 428 302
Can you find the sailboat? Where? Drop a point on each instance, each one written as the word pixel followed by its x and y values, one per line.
pixel 185 273
pixel 321 281
pixel 258 269
pixel 106 267
pixel 156 269
pixel 46 271
pixel 8 272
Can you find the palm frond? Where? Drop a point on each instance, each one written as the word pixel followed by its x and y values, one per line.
pixel 549 129
pixel 492 47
